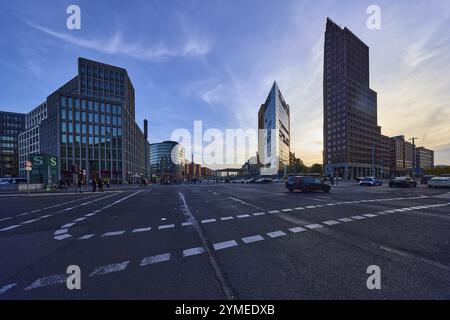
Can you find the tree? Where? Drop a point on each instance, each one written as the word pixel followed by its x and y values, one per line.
pixel 316 168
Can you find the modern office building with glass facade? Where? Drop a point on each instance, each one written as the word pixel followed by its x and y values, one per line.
pixel 274 132
pixel 11 124
pixel 167 160
pixel 90 123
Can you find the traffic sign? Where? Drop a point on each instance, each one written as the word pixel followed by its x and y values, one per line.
pixel 28 166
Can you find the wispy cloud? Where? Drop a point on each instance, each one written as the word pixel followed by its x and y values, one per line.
pixel 117 45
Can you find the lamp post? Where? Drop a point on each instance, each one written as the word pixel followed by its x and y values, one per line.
pixel 414 155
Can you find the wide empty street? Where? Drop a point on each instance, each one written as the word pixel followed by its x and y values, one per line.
pixel 227 241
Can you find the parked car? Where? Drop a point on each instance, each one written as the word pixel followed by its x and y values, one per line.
pixel 439 182
pixel 306 184
pixel 279 180
pixel 5 181
pixel 264 181
pixel 238 181
pixel 425 179
pixel 402 182
pixel 251 180
pixel 371 181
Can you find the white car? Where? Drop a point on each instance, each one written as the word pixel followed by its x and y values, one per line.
pixel 439 182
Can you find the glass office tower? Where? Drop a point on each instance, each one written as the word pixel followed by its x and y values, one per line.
pixel 167 160
pixel 274 132
pixel 91 124
pixel 11 124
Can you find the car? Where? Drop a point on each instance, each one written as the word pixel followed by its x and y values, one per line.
pixel 425 179
pixel 306 184
pixel 279 180
pixel 264 181
pixel 402 182
pixel 6 181
pixel 371 181
pixel 251 180
pixel 439 182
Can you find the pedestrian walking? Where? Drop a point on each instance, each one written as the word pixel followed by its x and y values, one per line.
pixel 94 185
pixel 80 185
pixel 100 185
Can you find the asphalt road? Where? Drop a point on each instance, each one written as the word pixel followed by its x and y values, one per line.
pixel 225 241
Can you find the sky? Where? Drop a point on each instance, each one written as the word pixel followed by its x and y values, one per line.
pixel 216 60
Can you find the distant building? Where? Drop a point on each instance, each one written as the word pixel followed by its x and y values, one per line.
pixel 274 134
pixel 167 160
pixel 11 124
pixel 29 142
pixel 424 158
pixel 401 155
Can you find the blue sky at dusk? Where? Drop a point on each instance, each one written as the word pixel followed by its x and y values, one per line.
pixel 215 61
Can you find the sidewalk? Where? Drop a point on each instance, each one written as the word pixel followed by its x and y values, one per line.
pixel 71 191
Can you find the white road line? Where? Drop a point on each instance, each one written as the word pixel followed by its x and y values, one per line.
pixel 141 230
pixel 167 226
pixel 23 214
pixel 7 287
pixel 61 231
pixel 287 210
pixel 186 224
pixel 313 226
pixel 274 211
pixel 226 218
pixel 86 237
pixel 155 259
pixel 193 252
pixel 224 245
pixel 45 217
pixel 114 233
pixel 80 219
pixel 68 225
pixel 10 228
pixel 358 217
pixel 110 268
pixel 299 208
pixel 208 221
pixel 253 239
pixel 276 234
pixel 62 237
pixel 30 221
pixel 345 220
pixel 369 215
pixel 257 214
pixel 297 230
pixel 4 219
pixel 68 209
pixel 310 207
pixel 331 222
pixel 34 211
pixel 243 216
pixel 47 281
pixel 90 214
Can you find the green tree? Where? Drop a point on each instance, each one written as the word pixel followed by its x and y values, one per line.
pixel 316 168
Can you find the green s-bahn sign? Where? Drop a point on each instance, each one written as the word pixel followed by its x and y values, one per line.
pixel 41 165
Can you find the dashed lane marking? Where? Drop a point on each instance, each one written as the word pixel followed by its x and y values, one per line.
pixel 142 230
pixel 276 234
pixel 193 252
pixel 224 245
pixel 297 230
pixel 253 239
pixel 110 268
pixel 155 259
pixel 313 226
pixel 331 222
pixel 114 233
pixel 167 226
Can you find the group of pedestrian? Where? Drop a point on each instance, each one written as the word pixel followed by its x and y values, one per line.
pixel 99 183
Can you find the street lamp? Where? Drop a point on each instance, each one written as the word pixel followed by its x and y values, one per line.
pixel 414 155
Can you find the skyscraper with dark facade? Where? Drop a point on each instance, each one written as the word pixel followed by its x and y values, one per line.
pixel 11 124
pixel 90 123
pixel 352 138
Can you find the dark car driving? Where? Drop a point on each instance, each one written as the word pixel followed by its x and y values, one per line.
pixel 402 182
pixel 306 184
